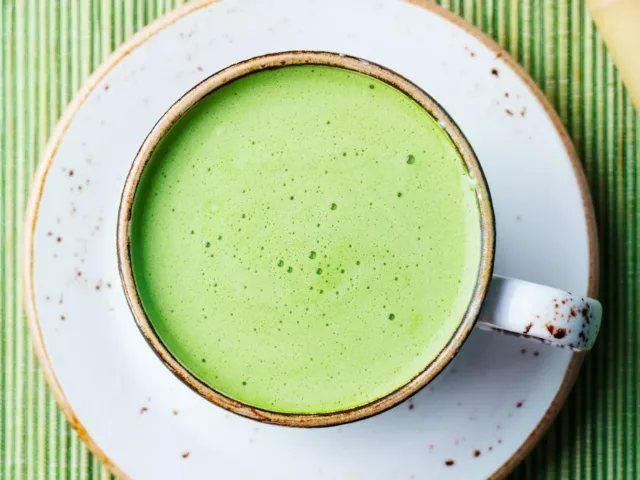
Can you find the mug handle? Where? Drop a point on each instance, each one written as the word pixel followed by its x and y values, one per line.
pixel 540 313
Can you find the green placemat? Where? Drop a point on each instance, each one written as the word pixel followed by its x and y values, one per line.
pixel 48 49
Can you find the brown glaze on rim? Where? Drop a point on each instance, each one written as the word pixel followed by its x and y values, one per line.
pixel 280 60
pixel 157 26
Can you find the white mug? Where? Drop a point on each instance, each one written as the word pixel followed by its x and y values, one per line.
pixel 501 304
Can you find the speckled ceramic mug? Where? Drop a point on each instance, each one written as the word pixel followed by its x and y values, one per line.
pixel 511 306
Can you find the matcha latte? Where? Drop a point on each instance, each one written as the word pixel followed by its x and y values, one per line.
pixel 305 239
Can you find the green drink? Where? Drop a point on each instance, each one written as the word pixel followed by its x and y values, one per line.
pixel 305 239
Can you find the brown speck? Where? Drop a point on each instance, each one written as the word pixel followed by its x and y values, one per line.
pixel 560 333
pixel 495 72
pixel 564 302
pixel 59 239
pixel 78 273
pixel 476 453
pixel 508 112
pixel 63 318
pixel 519 404
pixel 98 287
pixel 499 55
pixel 523 112
pixel 185 454
pixel 449 463
pixel 71 172
pixel 526 330
pixel 175 412
pixel 556 332
pixel 572 312
pixel 523 351
pixel 536 354
pixel 49 234
pixel 106 87
pixel 506 94
pixel 143 410
pixel 411 406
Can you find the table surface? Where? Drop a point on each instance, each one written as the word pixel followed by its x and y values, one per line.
pixel 49 48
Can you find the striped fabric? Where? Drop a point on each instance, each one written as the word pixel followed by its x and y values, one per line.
pixel 49 47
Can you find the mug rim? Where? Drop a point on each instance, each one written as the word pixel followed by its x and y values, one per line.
pixel 279 60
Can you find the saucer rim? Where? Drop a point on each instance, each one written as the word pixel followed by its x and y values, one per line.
pixel 141 37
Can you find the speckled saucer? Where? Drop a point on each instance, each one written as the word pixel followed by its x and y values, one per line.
pixel 478 419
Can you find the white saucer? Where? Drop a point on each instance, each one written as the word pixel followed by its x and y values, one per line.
pixel 479 418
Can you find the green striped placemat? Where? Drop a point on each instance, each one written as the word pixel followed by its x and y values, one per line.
pixel 48 49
